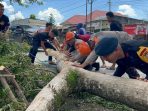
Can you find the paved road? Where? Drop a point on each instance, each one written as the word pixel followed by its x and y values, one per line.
pixel 42 58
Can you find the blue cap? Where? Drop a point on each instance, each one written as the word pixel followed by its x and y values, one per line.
pixel 106 46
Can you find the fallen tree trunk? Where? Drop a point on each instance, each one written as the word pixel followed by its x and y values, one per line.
pixel 133 93
pixel 127 91
pixel 52 95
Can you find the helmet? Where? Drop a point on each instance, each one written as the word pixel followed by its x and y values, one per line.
pixel 69 36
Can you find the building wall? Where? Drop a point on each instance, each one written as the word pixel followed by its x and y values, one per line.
pixel 29 22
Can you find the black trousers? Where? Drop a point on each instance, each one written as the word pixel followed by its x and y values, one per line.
pixel 131 71
pixel 33 51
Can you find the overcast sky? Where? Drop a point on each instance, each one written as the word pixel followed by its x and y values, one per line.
pixel 64 9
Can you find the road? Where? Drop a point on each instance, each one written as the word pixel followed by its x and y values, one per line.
pixel 42 59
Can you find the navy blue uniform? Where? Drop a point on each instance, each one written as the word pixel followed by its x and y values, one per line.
pixel 132 59
pixel 37 43
pixel 115 26
pixel 4 23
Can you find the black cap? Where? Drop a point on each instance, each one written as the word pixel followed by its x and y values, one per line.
pixel 106 46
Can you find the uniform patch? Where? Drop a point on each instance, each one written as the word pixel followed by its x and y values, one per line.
pixel 143 53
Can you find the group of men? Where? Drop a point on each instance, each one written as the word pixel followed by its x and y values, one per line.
pixel 114 46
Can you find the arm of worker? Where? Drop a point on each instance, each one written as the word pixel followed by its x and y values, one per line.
pixel 56 44
pixel 76 57
pixel 44 48
pixel 89 60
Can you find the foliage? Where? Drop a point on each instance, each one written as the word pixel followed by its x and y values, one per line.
pixel 31 78
pixel 32 16
pixel 25 3
pixel 59 100
pixel 83 101
pixel 89 98
pixel 51 19
pixel 72 79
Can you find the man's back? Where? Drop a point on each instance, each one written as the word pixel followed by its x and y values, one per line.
pixel 116 26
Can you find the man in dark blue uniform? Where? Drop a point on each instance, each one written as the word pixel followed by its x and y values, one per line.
pixel 114 24
pixel 40 40
pixel 4 20
pixel 129 54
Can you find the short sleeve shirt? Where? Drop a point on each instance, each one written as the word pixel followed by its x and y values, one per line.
pixel 4 22
pixel 116 26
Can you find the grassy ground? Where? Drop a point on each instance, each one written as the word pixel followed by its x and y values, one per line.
pixel 84 101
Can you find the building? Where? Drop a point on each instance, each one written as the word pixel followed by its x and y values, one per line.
pixel 99 21
pixel 29 22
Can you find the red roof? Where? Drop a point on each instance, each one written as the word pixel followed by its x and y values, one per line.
pixel 82 18
pixel 76 19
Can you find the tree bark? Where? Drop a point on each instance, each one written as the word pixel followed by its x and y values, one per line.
pixel 52 94
pixel 16 85
pixel 6 86
pixel 131 92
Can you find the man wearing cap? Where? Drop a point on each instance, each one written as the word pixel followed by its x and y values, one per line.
pixel 121 36
pixel 79 45
pixel 129 54
pixel 82 48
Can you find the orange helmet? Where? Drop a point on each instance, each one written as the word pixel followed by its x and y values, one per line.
pixel 69 36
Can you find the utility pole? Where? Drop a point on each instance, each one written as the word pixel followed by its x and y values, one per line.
pixel 91 2
pixel 109 5
pixel 86 15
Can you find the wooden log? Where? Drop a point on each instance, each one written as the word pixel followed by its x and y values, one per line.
pixel 52 94
pixel 131 92
pixel 16 85
pixel 13 76
pixel 6 86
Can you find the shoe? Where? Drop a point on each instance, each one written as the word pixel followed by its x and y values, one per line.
pixel 88 67
pixel 96 65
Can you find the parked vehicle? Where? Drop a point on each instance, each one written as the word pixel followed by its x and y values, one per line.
pixel 19 34
pixel 24 33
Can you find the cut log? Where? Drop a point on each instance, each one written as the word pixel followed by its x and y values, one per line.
pixel 133 93
pixel 19 92
pixel 52 94
pixel 6 86
pixel 16 85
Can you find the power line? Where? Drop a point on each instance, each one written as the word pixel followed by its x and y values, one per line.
pixel 109 5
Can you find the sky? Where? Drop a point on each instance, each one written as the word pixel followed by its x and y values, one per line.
pixel 64 9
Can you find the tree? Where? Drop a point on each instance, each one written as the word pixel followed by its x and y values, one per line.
pixel 21 2
pixel 51 19
pixel 32 16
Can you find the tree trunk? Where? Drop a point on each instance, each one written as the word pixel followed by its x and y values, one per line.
pixel 133 93
pixel 52 95
pixel 6 86
pixel 16 85
pixel 127 91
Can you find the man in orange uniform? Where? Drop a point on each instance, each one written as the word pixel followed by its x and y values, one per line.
pixel 82 49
